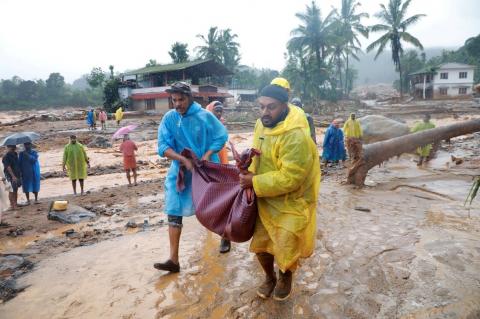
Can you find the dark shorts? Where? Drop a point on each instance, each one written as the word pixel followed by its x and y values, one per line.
pixel 16 185
pixel 175 221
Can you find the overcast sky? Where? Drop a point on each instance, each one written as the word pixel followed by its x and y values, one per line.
pixel 72 36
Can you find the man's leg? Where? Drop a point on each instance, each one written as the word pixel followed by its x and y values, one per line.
pixel 266 289
pixel 174 232
pixel 74 185
pixel 81 186
pixel 134 176
pixel 284 285
pixel 13 202
pixel 225 246
pixel 27 195
pixel 36 196
pixel 128 177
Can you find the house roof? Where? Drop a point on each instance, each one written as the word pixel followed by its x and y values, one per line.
pixel 443 66
pixel 199 68
pixel 454 65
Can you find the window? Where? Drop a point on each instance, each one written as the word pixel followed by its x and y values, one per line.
pixel 443 91
pixel 462 91
pixel 444 76
pixel 150 104
pixel 463 75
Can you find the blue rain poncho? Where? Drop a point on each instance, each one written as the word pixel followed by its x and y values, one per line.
pixel 333 147
pixel 90 118
pixel 30 171
pixel 198 130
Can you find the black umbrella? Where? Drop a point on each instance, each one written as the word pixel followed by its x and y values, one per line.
pixel 20 138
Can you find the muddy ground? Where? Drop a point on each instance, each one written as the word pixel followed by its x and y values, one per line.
pixel 402 247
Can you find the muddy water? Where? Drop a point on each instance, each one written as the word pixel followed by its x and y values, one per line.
pixel 416 254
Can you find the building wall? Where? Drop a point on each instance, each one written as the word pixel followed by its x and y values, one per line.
pixel 453 83
pixel 161 105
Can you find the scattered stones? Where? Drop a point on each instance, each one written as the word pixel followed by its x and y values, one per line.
pixel 131 224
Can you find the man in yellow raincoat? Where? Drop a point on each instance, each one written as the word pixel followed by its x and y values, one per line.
pixel 76 161
pixel 286 180
pixel 424 151
pixel 353 138
pixel 119 115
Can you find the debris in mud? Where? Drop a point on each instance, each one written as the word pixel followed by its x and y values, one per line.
pixel 18 231
pixel 363 209
pixel 72 215
pixel 100 141
pixel 131 224
pixel 12 267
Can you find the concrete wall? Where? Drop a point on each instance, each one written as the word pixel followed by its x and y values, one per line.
pixel 161 105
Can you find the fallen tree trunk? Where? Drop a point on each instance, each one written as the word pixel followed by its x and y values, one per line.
pixel 377 153
pixel 18 121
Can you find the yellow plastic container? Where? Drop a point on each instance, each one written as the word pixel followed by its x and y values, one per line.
pixel 60 205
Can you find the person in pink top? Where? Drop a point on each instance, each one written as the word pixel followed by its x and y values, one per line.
pixel 103 119
pixel 128 149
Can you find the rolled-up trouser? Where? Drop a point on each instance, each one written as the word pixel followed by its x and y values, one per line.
pixel 175 221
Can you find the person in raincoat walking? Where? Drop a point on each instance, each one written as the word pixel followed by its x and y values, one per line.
pixel 286 180
pixel 424 151
pixel 353 138
pixel 119 115
pixel 13 174
pixel 102 116
pixel 30 168
pixel 187 126
pixel 75 160
pixel 91 119
pixel 333 147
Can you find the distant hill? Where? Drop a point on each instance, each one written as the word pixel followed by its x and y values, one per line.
pixel 80 84
pixel 372 71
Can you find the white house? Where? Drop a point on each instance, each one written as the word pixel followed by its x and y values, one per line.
pixel 443 81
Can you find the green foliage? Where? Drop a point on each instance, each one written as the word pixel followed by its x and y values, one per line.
pixel 151 62
pixel 179 52
pixel 252 78
pixel 19 94
pixel 96 77
pixel 111 97
pixel 221 46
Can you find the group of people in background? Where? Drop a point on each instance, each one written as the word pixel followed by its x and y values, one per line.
pixel 102 116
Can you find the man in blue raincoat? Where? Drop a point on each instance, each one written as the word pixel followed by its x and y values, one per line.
pixel 333 147
pixel 187 126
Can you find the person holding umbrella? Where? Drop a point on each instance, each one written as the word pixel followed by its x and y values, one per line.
pixel 30 169
pixel 75 160
pixel 11 168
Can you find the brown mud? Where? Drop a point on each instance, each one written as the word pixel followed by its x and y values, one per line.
pixel 412 251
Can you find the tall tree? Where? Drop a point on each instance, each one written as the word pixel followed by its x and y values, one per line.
pixel 96 77
pixel 313 33
pixel 55 84
pixel 229 49
pixel 210 48
pixel 350 28
pixel 179 52
pixel 395 25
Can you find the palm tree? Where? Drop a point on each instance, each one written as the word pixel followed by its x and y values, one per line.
pixel 351 26
pixel 179 52
pixel 313 33
pixel 229 48
pixel 210 49
pixel 395 25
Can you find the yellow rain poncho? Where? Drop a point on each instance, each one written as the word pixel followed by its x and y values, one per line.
pixel 119 114
pixel 352 128
pixel 423 151
pixel 75 158
pixel 286 181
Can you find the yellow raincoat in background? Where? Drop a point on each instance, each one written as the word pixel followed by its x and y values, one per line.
pixel 119 114
pixel 423 151
pixel 352 128
pixel 286 182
